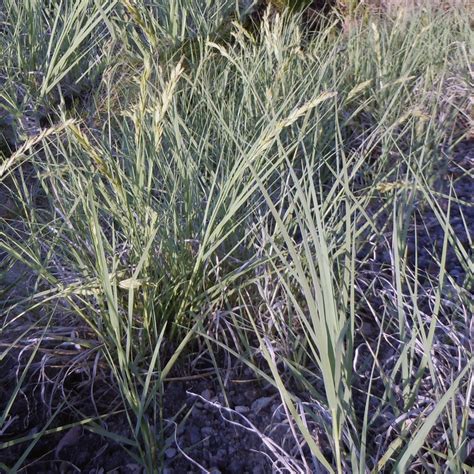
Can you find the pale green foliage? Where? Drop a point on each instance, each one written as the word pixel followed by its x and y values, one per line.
pixel 244 178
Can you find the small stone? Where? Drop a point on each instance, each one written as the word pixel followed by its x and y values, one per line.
pixel 239 399
pixel 194 434
pixel 237 465
pixel 261 403
pixel 136 469
pixel 170 453
pixel 214 470
pixel 242 409
pixel 207 431
pixel 206 394
pixel 221 454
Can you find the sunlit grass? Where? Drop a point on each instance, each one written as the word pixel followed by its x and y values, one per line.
pixel 252 172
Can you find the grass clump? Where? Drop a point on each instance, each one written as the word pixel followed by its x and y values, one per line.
pixel 254 179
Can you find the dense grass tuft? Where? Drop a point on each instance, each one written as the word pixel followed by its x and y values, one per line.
pixel 272 176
